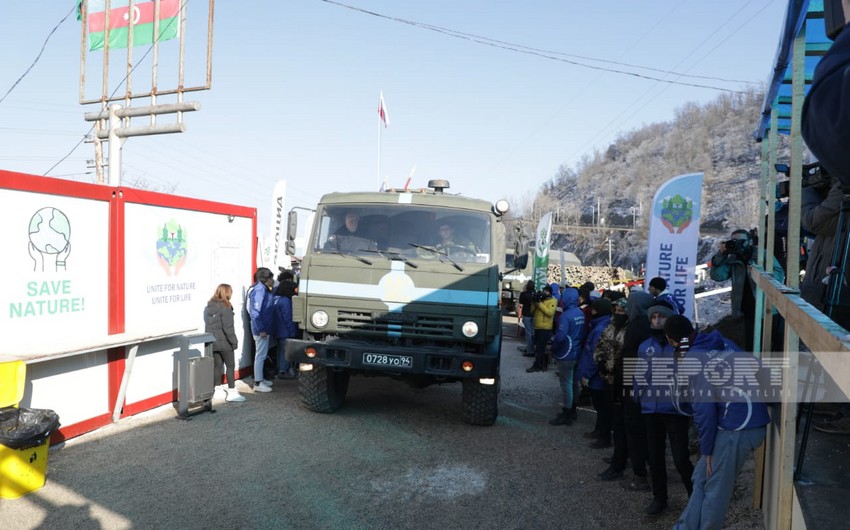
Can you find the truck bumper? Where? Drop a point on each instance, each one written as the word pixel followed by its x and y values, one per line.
pixel 354 355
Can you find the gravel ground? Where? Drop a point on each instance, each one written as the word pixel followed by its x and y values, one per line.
pixel 393 457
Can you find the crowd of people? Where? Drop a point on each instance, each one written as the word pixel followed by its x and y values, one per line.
pixel 268 310
pixel 650 375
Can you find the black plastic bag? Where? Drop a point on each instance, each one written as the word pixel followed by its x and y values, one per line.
pixel 26 427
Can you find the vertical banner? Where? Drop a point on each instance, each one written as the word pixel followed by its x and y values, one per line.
pixel 278 257
pixel 674 235
pixel 541 252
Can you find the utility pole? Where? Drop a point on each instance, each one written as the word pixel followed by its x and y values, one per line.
pixel 598 209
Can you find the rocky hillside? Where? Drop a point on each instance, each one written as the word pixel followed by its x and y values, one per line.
pixel 715 138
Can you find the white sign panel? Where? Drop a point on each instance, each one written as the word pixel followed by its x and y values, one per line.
pixel 174 259
pixel 55 271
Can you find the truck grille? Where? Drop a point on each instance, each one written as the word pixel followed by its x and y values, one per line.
pixel 408 324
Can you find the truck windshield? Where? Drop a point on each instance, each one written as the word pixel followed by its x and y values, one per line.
pixel 408 230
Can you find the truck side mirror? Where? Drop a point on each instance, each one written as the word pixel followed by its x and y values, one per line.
pixel 291 230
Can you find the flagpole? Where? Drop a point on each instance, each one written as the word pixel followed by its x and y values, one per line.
pixel 379 152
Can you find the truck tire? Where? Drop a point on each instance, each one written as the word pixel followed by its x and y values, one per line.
pixel 323 390
pixel 480 402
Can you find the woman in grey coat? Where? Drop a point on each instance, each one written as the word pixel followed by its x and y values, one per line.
pixel 218 320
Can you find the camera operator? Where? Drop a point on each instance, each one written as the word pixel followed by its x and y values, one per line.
pixel 826 113
pixel 543 310
pixel 732 262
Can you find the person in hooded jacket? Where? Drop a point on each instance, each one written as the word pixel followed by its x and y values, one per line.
pixel 731 423
pixel 666 416
pixel 637 332
pixel 566 345
pixel 260 301
pixel 556 294
pixel 607 356
pixel 218 320
pixel 590 378
pixel 284 327
pixel 584 303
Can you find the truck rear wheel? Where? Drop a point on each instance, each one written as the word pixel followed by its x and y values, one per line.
pixel 323 390
pixel 480 402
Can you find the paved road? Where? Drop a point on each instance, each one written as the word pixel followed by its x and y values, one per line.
pixel 393 457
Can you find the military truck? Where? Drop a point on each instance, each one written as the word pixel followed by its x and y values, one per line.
pixel 382 294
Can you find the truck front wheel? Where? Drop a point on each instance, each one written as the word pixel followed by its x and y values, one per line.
pixel 480 402
pixel 323 390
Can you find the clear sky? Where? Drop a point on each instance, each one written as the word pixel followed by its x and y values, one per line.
pixel 295 87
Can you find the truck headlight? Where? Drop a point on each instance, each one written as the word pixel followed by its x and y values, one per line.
pixel 319 319
pixel 470 329
pixel 507 285
pixel 501 207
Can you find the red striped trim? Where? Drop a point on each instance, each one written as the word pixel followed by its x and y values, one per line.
pixel 53 186
pixel 72 431
pixel 144 15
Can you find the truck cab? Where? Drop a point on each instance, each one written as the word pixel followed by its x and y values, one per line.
pixel 403 284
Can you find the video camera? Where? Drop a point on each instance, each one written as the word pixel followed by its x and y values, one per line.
pixel 539 296
pixel 738 247
pixel 814 175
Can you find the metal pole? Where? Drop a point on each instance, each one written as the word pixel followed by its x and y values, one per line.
pixel 609 251
pixel 114 146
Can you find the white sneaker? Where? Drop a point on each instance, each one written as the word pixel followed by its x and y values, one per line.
pixel 269 383
pixel 219 393
pixel 262 387
pixel 233 396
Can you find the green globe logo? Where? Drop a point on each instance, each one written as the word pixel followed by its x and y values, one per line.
pixel 171 247
pixel 50 238
pixel 50 231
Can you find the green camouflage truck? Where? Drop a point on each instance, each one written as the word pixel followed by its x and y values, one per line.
pixel 403 284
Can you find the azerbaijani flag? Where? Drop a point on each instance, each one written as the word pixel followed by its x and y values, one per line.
pixel 119 22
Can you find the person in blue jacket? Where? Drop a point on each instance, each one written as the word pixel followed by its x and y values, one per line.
pixel 566 345
pixel 658 289
pixel 260 310
pixel 666 416
pixel 590 377
pixel 284 326
pixel 729 412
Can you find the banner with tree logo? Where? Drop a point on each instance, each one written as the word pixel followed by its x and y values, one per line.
pixel 541 251
pixel 674 236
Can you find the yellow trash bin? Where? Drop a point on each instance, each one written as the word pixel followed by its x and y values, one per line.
pixel 22 469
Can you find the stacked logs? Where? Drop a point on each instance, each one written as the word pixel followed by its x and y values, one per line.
pixel 600 276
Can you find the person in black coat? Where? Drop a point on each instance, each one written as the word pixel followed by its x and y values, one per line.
pixel 826 110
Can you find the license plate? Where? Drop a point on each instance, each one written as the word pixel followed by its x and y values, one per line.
pixel 394 361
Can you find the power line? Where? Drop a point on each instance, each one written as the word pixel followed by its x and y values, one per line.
pixel 37 57
pixel 629 107
pixel 549 54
